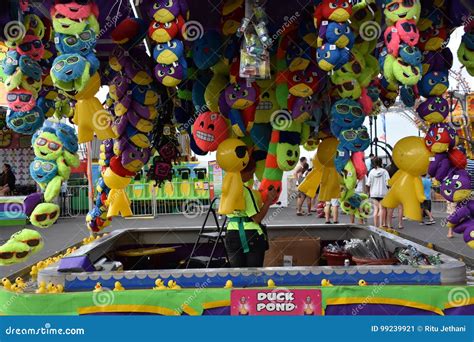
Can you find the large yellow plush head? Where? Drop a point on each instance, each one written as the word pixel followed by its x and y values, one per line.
pixel 232 155
pixel 411 156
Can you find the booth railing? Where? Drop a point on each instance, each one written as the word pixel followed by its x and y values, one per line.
pixel 146 200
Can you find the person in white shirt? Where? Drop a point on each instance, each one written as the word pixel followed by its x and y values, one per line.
pixel 377 187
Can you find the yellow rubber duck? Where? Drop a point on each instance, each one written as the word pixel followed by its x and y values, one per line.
pixel 49 287
pixel 42 288
pixel 60 288
pixel 362 282
pixel 228 284
pixel 7 284
pixel 34 271
pixel 326 282
pixel 271 284
pixel 97 288
pixel 172 285
pixel 118 286
pixel 53 289
pixel 159 285
pixel 16 288
pixel 19 281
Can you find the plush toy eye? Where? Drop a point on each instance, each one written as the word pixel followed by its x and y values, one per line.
pixel 289 153
pixel 161 73
pixel 156 25
pixel 233 96
pixel 345 5
pixel 444 79
pixel 332 5
pixel 327 55
pixel 160 47
pixel 423 39
pixel 296 78
pixel 348 30
pixel 458 185
pixel 429 142
pixel 173 45
pixel 435 33
pixel 169 3
pixel 245 93
pixel 141 90
pixel 431 82
pixel 338 31
pixel 37 165
pixel 156 5
pixel 211 127
pixel 443 109
pixel 167 25
pixel 318 56
pixel 59 65
pixel 438 137
pixel 431 107
pixel 309 79
pixel 448 192
pixel 171 71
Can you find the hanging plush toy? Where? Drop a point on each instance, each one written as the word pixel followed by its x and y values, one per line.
pixel 434 110
pixel 232 157
pixel 440 138
pixel 412 159
pixel 209 130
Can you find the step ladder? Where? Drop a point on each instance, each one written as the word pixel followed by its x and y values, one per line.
pixel 212 236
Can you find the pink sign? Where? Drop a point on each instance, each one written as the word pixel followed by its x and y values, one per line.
pixel 277 302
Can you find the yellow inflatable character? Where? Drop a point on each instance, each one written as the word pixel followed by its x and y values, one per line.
pixel 324 174
pixel 90 116
pixel 232 157
pixel 412 159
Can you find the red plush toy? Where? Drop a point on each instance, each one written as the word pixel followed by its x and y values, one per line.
pixel 209 130
pixel 334 10
pixel 164 32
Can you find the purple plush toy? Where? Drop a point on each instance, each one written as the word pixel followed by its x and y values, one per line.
pixel 172 74
pixel 440 166
pixel 456 187
pixel 434 110
pixel 302 108
pixel 133 158
pixel 437 60
pixel 462 221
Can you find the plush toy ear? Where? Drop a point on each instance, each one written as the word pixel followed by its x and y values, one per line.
pixel 14 81
pixel 392 40
pixel 80 83
pixel 71 159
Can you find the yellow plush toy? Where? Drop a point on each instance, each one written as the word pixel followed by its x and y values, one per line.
pixel 412 159
pixel 324 174
pixel 232 157
pixel 90 116
pixel 117 199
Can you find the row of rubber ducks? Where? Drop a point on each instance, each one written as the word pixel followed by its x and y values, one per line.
pixel 17 286
pixel 50 288
pixel 327 282
pixel 92 238
pixel 49 261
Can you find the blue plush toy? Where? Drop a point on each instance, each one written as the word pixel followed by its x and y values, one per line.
pixel 25 122
pixel 345 114
pixel 46 105
pixel 206 50
pixel 43 171
pixel 30 67
pixel 408 96
pixel 411 55
pixel 339 34
pixel 145 94
pixel 434 83
pixel 68 137
pixel 350 140
pixel 83 43
pixel 10 62
pixel 331 57
pixel 167 53
pixel 70 72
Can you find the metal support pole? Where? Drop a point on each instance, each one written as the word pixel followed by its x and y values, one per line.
pixel 90 184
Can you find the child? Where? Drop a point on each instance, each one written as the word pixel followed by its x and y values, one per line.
pixel 426 205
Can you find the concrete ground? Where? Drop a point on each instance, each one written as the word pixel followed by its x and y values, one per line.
pixel 70 231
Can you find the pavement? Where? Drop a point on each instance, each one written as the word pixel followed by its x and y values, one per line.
pixel 70 231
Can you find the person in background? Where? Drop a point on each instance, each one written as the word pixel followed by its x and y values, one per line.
pixel 302 196
pixel 245 240
pixel 377 188
pixel 369 161
pixel 360 189
pixel 7 180
pixel 332 207
pixel 300 169
pixel 426 205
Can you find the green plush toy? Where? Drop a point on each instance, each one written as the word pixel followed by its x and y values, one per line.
pixel 47 146
pixel 398 10
pixel 70 159
pixel 405 73
pixel 13 252
pixel 346 85
pixel 30 237
pixel 52 189
pixel 44 215
pixel 288 146
pixel 388 69
pixel 466 56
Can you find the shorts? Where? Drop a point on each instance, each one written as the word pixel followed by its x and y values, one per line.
pixel 426 205
pixel 302 195
pixel 378 199
pixel 334 202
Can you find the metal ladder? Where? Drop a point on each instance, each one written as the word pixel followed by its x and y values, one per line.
pixel 214 236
